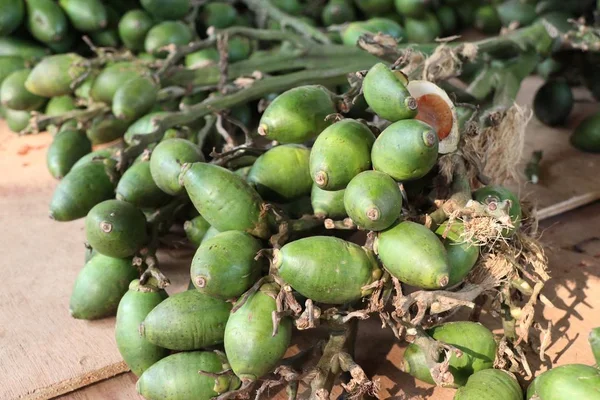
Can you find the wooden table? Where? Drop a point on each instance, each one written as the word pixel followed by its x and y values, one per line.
pixel 45 353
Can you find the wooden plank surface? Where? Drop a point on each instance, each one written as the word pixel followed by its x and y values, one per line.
pixel 44 353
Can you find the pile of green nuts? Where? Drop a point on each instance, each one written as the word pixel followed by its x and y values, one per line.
pixel 325 162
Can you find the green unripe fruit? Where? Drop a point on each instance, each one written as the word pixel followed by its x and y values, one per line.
pixel 475 341
pixel 219 15
pixel 571 381
pixel 135 98
pixel 292 7
pixel 327 269
pixel 86 15
pixel 412 8
pixel 188 320
pixel 448 20
pixel 594 340
pixel 112 78
pixel 95 156
pixel 17 120
pixel 115 228
pixel 496 194
pixel 105 128
pixel 166 161
pixel 15 96
pixel 375 7
pixel 10 64
pixel 143 126
pixel 59 105
pixel 373 200
pixel 251 348
pixel 353 31
pixel 423 30
pixel 553 103
pixel 239 49
pixel 297 115
pixel 328 203
pixel 405 150
pixel 81 189
pixel 586 136
pixel 224 266
pixel 46 21
pixel 164 34
pixel 12 13
pixel 386 93
pixel 462 256
pixel 54 75
pixel 516 11
pixel 282 174
pixel 100 286
pixel 210 186
pixel 166 9
pixel 195 229
pixel 137 187
pixel 490 384
pixel 202 58
pixel 176 377
pixel 337 12
pixel 341 152
pixel 66 44
pixel 137 352
pixel 385 26
pixel 414 255
pixel 28 50
pixel 487 19
pixel 68 146
pixel 133 27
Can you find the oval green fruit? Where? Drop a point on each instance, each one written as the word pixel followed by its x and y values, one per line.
pixel 106 38
pixel 137 352
pixel 97 155
pixel 462 256
pixel 327 269
pixel 105 128
pixel 143 126
pixel 65 45
pixel 28 50
pixel 341 152
pixel 292 7
pixel 54 75
pixel 487 19
pixel 81 189
pixel 112 78
pixel 571 381
pixel 13 94
pixel 224 266
pixel 176 377
pixel 195 229
pixel 386 93
pixel 137 187
pixel 516 11
pixel 10 64
pixel 166 161
pixel 59 105
pixel 489 194
pixel 553 102
pixel 12 13
pixel 202 58
pixel 328 203
pixel 282 174
pixel 86 15
pixel 188 320
pixel 594 340
pixel 239 49
pixel 166 9
pixel 115 228
pixel 406 150
pixel 99 287
pixel 135 98
pixel 414 255
pixel 490 384
pixel 164 34
pixel 385 26
pixel 586 136
pixel 338 12
pixel 133 27
pixel 475 341
pixel 412 8
pixel 210 187
pixel 297 115
pixel 251 348
pixel 17 120
pixel 68 146
pixel 218 14
pixel 373 200
pixel 422 30
pixel 448 19
pixel 374 7
pixel 46 21
pixel 351 32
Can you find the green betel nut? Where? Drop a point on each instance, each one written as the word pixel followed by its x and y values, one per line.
pixel 133 27
pixel 135 98
pixel 115 228
pixel 327 269
pixel 282 173
pixel 406 150
pixel 137 352
pixel 328 203
pixel 188 320
pixel 54 75
pixel 341 152
pixel 15 96
pixel 414 255
pixel 68 146
pixel 490 384
pixel 86 15
pixel 137 187
pixel 571 381
pixel 297 115
pixel 167 159
pixel 112 78
pixel 195 229
pixel 373 200
pixel 386 93
pixel 224 266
